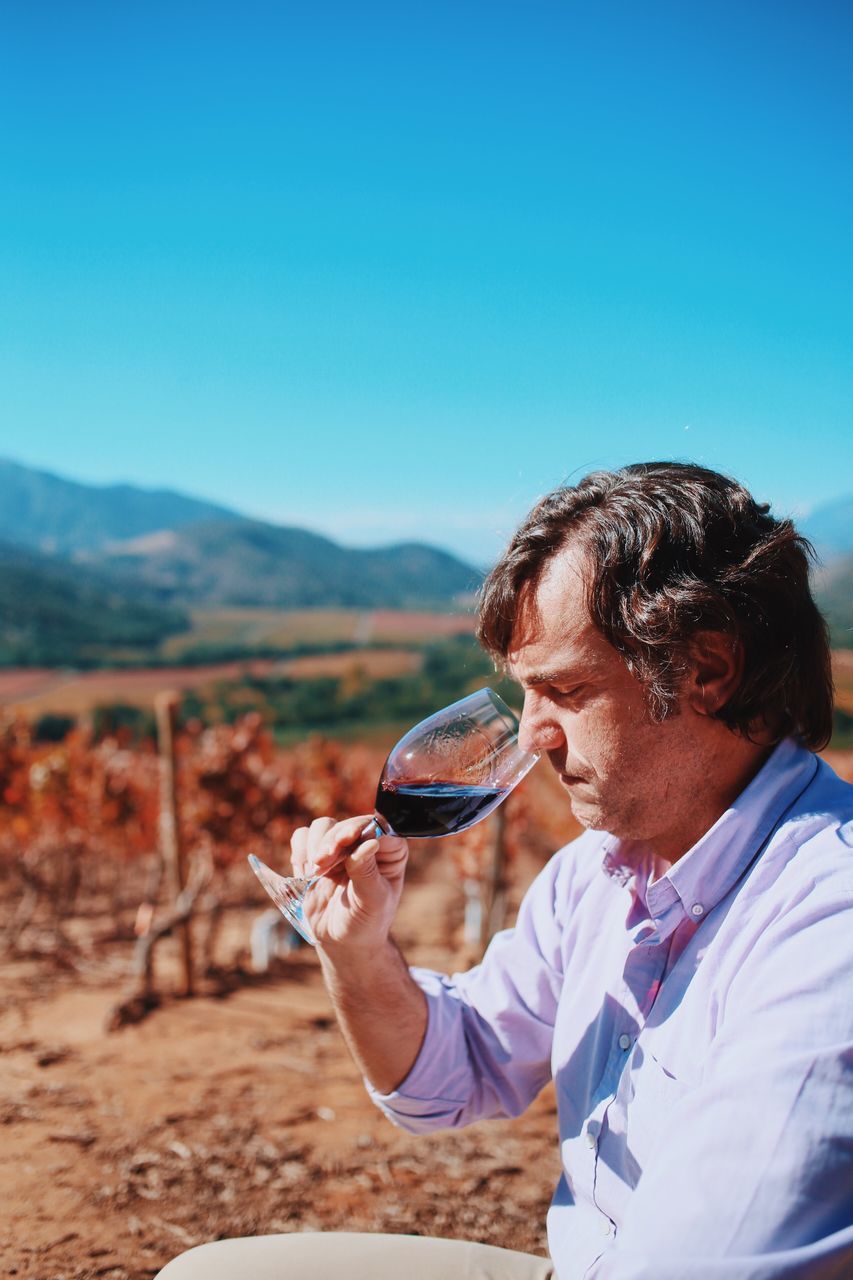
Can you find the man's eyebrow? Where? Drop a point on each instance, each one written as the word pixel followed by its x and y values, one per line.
pixel 561 675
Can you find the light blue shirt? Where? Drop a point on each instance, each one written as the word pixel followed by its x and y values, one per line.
pixel 699 1032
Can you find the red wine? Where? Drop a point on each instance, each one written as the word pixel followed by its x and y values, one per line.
pixel 421 809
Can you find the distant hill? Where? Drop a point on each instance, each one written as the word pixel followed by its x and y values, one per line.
pixel 51 514
pixel 251 563
pixel 56 614
pixel 834 594
pixel 830 528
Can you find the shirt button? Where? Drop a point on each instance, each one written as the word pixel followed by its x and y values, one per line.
pixel 624 1041
pixel 697 909
pixel 606 1227
pixel 590 1138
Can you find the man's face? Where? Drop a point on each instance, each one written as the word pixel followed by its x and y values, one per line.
pixel 582 707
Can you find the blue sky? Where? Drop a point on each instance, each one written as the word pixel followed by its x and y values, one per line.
pixel 392 271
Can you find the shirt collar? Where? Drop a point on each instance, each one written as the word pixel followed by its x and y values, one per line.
pixel 693 886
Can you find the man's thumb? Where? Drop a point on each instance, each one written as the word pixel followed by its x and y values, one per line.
pixel 363 870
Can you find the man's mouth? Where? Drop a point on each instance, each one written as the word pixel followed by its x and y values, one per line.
pixel 567 778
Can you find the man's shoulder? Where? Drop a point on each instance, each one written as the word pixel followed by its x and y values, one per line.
pixel 810 854
pixel 833 794
pixel 789 933
pixel 821 817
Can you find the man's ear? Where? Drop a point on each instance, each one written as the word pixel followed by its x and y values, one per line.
pixel 714 671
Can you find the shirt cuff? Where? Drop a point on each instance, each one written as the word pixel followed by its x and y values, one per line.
pixel 434 1092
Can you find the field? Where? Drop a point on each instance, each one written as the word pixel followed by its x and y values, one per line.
pixel 281 629
pixel 224 647
pixel 35 692
pixel 39 692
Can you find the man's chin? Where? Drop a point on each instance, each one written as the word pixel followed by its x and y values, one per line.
pixel 588 814
pixel 585 802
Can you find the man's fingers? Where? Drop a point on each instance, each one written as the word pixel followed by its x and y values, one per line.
pixel 318 830
pixel 299 850
pixel 361 863
pixel 367 883
pixel 347 850
pixel 392 855
pixel 338 841
pixel 317 833
pixel 367 863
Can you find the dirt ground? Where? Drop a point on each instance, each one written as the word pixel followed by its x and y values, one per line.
pixel 234 1114
pixel 231 1115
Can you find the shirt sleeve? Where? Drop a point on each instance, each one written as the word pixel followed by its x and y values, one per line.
pixel 752 1178
pixel 487 1049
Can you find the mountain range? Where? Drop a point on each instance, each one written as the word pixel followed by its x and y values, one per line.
pixel 246 562
pixel 830 529
pixel 90 574
pixel 59 516
pixel 183 551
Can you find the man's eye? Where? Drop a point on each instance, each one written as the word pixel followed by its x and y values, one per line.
pixel 570 694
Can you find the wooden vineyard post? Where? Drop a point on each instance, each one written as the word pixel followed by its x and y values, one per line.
pixel 165 707
pixel 494 884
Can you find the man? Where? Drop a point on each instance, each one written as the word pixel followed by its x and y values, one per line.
pixel 682 970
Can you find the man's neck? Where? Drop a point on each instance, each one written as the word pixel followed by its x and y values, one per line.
pixel 743 760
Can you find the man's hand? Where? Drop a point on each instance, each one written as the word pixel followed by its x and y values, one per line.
pixel 353 905
pixel 381 1011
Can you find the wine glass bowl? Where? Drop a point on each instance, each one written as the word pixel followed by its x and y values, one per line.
pixel 448 772
pixel 452 769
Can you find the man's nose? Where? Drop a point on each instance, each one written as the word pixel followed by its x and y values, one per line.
pixel 537 731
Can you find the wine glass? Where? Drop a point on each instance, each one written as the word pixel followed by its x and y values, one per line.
pixel 448 772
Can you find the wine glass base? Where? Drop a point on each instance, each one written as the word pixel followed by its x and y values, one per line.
pixel 288 894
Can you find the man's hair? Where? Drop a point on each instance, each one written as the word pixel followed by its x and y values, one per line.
pixel 673 549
